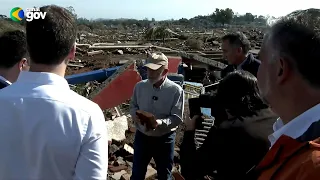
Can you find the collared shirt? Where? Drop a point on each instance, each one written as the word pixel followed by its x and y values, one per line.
pixel 239 67
pixel 47 131
pixel 166 103
pixel 5 80
pixel 296 127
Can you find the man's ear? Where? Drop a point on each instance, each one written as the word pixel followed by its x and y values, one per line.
pixel 165 71
pixel 283 70
pixel 72 53
pixel 23 63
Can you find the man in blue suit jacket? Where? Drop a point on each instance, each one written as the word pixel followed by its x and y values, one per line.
pixel 235 47
pixel 13 52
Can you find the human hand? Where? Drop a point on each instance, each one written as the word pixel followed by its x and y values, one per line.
pixel 147 119
pixel 191 123
pixel 136 119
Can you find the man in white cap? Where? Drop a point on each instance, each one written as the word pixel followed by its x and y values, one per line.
pixel 163 101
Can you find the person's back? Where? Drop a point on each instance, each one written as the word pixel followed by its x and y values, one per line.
pixel 47 130
pixel 44 127
pixel 242 144
pixel 239 140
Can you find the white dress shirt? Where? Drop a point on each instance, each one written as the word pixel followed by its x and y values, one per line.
pixel 296 127
pixel 49 132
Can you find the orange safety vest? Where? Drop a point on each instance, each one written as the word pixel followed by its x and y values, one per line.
pixel 289 159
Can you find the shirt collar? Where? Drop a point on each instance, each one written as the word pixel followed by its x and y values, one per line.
pixel 43 78
pixel 163 83
pixel 5 80
pixel 243 62
pixel 296 127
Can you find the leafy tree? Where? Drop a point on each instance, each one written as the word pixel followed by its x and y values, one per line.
pixel 73 12
pixel 223 16
pixel 248 17
pixel 158 32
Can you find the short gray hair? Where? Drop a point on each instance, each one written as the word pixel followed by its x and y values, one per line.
pixel 299 44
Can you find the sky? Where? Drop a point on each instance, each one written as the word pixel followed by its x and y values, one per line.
pixel 164 9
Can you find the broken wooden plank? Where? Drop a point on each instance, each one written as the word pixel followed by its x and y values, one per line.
pixel 118 47
pixel 95 52
pixel 204 60
pixel 118 110
pixel 75 65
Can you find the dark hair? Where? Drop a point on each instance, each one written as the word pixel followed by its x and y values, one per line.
pixel 238 39
pixel 238 93
pixel 298 43
pixel 12 48
pixel 51 39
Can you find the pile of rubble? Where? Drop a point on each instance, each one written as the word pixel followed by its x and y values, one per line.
pixel 105 48
pixel 92 56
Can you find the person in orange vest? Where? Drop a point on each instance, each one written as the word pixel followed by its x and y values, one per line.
pixel 289 81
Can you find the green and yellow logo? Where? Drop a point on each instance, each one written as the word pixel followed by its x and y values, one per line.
pixel 17 14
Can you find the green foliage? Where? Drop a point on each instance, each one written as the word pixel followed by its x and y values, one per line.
pixel 219 16
pixel 72 11
pixel 223 16
pixel 158 32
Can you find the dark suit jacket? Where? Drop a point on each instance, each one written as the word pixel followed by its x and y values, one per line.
pixel 232 148
pixel 251 65
pixel 3 84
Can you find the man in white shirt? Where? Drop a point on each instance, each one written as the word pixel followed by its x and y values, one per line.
pixel 289 80
pixel 13 52
pixel 47 131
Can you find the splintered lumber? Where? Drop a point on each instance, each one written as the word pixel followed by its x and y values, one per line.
pixel 75 65
pixel 131 46
pixel 204 60
pixel 103 44
pixel 164 48
pixel 201 53
pixel 117 47
pixel 78 45
pixel 95 52
pixel 116 44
